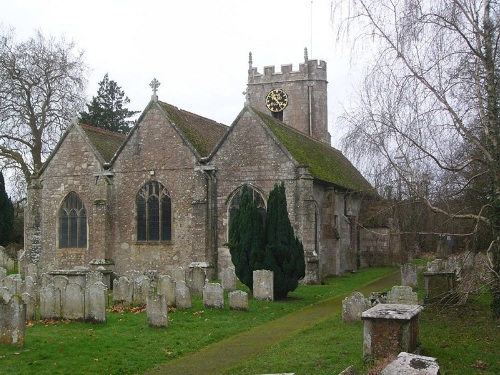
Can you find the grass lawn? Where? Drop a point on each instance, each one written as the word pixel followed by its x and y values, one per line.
pixel 465 341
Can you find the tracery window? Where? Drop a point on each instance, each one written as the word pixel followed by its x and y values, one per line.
pixel 72 222
pixel 256 197
pixel 154 213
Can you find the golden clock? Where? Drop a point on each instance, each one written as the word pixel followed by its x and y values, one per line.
pixel 276 100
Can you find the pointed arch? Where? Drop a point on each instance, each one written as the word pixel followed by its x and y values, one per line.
pixel 154 213
pixel 234 202
pixel 72 222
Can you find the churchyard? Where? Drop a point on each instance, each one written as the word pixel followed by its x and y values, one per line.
pixel 463 338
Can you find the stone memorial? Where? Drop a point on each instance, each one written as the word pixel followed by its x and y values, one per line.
pixel 197 281
pixel 30 303
pixel 182 295
pixel 213 296
pixel 157 311
pixel 166 287
pixel 409 275
pixel 74 302
pixel 142 287
pixel 390 329
pixel 353 306
pixel 96 301
pixel 412 364
pixel 238 300
pixel 228 279
pixel 263 285
pixel 403 295
pixel 12 320
pixel 178 274
pixel 123 291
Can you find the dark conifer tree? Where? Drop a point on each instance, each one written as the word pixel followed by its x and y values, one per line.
pixel 6 214
pixel 106 110
pixel 283 252
pixel 245 238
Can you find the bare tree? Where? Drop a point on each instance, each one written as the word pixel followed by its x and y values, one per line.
pixel 42 86
pixel 429 106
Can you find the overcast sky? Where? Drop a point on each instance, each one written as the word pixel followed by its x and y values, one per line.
pixel 197 49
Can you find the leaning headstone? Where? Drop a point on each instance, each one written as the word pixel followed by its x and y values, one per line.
pixel 12 321
pixel 263 285
pixel 238 300
pixel 156 309
pixel 166 287
pixel 182 296
pixel 123 291
pixel 74 302
pixel 228 279
pixel 30 303
pixel 403 295
pixel 48 302
pixel 197 281
pixel 95 302
pixel 213 296
pixel 412 364
pixel 353 306
pixel 142 287
pixel 409 275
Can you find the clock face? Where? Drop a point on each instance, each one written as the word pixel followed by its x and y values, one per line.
pixel 276 100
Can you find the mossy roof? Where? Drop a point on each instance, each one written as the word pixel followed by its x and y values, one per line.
pixel 105 142
pixel 325 162
pixel 201 132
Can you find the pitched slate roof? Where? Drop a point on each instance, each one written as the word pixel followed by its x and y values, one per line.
pixel 201 132
pixel 105 142
pixel 325 163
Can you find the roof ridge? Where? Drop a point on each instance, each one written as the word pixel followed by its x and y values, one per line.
pixel 96 129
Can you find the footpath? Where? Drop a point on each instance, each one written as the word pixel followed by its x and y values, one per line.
pixel 216 358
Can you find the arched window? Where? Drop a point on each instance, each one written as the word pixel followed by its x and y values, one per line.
pixel 72 222
pixel 257 198
pixel 154 213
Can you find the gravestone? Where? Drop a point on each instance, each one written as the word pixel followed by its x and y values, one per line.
pixel 12 320
pixel 166 287
pixel 3 273
pixel 402 295
pixel 197 281
pixel 412 364
pixel 353 306
pixel 60 283
pixel 178 274
pixel 213 296
pixel 96 301
pixel 238 300
pixel 123 291
pixel 30 303
pixel 156 310
pixel 142 287
pixel 30 286
pixel 263 285
pixel 46 279
pixel 409 275
pixel 93 277
pixel 48 302
pixel 378 297
pixel 228 279
pixel 182 295
pixel 74 302
pixel 31 269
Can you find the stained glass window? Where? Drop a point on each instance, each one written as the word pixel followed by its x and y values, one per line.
pixel 72 222
pixel 154 213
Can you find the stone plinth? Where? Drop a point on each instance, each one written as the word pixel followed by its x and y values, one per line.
pixel 411 364
pixel 439 285
pixel 390 329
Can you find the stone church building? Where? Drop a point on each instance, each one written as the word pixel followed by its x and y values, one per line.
pixel 162 197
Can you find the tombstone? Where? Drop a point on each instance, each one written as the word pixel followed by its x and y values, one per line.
pixel 182 296
pixel 93 277
pixel 353 306
pixel 403 295
pixel 197 281
pixel 238 300
pixel 156 309
pixel 142 287
pixel 378 297
pixel 74 302
pixel 123 291
pixel 452 265
pixel 96 301
pixel 60 283
pixel 213 296
pixel 263 285
pixel 12 321
pixel 48 302
pixel 46 279
pixel 3 273
pixel 178 274
pixel 412 364
pixel 409 275
pixel 166 287
pixel 31 269
pixel 30 287
pixel 30 303
pixel 228 276
pixel 390 329
pixel 467 259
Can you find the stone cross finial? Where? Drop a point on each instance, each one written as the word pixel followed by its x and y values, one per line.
pixel 306 58
pixel 154 85
pixel 250 62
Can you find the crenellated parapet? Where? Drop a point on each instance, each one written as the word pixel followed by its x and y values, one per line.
pixel 309 70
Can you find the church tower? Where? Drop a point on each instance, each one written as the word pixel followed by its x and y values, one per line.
pixel 298 98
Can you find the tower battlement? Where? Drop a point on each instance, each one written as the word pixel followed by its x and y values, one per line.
pixel 309 70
